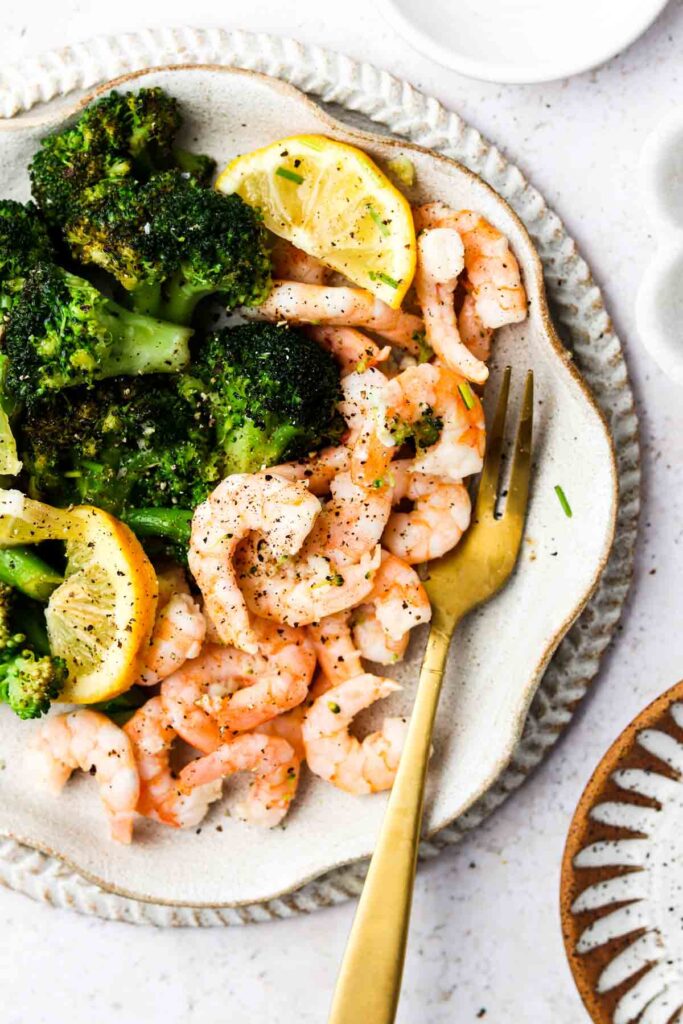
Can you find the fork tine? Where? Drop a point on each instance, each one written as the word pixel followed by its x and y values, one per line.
pixel 488 485
pixel 518 491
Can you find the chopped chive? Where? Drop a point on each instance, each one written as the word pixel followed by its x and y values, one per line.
pixel 562 498
pixel 467 396
pixel 284 172
pixel 312 144
pixel 334 707
pixel 384 230
pixel 384 278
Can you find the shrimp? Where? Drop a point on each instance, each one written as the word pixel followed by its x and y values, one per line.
pixel 334 568
pixel 90 741
pixel 319 471
pixel 274 764
pixel 492 268
pixel 337 756
pixel 178 635
pixel 396 604
pixel 473 334
pixel 334 645
pixel 283 513
pixel 351 348
pixel 439 517
pixel 161 796
pixel 274 680
pixel 363 407
pixel 295 264
pixel 288 726
pixel 438 392
pixel 302 303
pixel 441 259
pixel 212 674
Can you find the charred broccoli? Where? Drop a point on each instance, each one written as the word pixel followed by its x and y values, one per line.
pixel 63 332
pixel 29 681
pixel 123 443
pixel 270 392
pixel 170 243
pixel 119 136
pixel 24 243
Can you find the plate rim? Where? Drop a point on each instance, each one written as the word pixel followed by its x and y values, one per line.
pixel 269 41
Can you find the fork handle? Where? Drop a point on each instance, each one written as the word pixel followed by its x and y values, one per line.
pixel 369 982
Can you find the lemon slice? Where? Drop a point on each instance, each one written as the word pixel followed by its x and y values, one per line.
pixel 103 612
pixel 332 201
pixel 24 521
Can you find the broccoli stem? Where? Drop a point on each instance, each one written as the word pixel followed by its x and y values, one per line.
pixel 146 299
pixel 141 344
pixel 197 165
pixel 25 571
pixel 30 618
pixel 182 299
pixel 172 523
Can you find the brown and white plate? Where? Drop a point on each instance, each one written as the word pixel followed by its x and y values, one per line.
pixel 622 878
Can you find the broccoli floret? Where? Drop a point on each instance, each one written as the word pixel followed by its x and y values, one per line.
pixel 119 136
pixel 24 243
pixel 424 432
pixel 62 332
pixel 170 243
pixel 29 682
pixel 121 443
pixel 271 393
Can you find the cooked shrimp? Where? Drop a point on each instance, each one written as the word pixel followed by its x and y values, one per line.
pixel 302 303
pixel 473 334
pixel 439 517
pixel 282 512
pixel 270 758
pixel 288 726
pixel 440 261
pixel 436 391
pixel 334 568
pixel 295 264
pixel 334 645
pixel 396 604
pixel 161 796
pixel 171 580
pixel 337 756
pixel 274 680
pixel 178 635
pixel 363 407
pixel 90 741
pixel 319 471
pixel 352 349
pixel 183 694
pixel 492 268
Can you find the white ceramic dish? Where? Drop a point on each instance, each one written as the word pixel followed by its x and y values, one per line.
pixel 659 306
pixel 498 657
pixel 523 40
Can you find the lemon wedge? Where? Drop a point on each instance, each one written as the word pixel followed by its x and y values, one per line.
pixel 25 521
pixel 331 200
pixel 101 615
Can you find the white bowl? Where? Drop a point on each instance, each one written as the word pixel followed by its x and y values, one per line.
pixel 521 40
pixel 659 305
pixel 498 656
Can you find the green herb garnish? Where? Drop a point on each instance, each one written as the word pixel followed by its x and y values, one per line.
pixel 384 278
pixel 284 172
pixel 467 396
pixel 383 229
pixel 562 498
pixel 334 708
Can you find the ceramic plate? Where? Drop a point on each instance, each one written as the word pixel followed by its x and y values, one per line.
pixel 622 881
pixel 524 41
pixel 498 657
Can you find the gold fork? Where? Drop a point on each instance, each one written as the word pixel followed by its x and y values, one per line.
pixel 369 982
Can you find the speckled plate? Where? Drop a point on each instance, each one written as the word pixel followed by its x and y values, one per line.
pixel 497 664
pixel 622 878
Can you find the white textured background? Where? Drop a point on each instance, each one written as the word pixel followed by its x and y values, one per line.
pixel 485 943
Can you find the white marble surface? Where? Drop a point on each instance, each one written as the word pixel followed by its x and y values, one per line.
pixel 485 943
